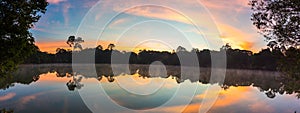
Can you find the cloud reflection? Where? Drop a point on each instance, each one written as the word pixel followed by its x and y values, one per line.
pixel 7 96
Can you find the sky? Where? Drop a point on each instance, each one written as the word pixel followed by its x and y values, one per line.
pixel 148 24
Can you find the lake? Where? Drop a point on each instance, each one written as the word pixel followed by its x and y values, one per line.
pixel 55 88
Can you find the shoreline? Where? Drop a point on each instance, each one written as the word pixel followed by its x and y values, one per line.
pixel 70 64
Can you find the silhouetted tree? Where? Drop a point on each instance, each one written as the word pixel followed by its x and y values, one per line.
pixel 111 46
pixel 99 47
pixel 226 47
pixel 267 59
pixel 6 111
pixel 180 48
pixel 290 64
pixel 196 50
pixel 75 42
pixel 71 40
pixel 278 21
pixel 17 43
pixel 63 55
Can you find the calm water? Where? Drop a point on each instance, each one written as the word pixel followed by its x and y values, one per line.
pixel 49 89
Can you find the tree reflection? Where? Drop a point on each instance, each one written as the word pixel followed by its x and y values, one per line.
pixel 110 78
pixel 75 82
pixel 6 111
pixel 270 83
pixel 270 94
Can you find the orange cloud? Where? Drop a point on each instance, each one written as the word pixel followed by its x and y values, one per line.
pixel 236 37
pixel 235 95
pixel 247 45
pixel 192 108
pixel 228 97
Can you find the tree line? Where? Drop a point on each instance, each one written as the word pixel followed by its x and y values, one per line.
pixel 266 59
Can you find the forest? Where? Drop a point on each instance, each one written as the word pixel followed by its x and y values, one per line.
pixel 266 59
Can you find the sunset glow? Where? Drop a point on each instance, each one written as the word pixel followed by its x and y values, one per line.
pixel 63 18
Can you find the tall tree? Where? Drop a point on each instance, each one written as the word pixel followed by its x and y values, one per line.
pixel 180 48
pixel 111 46
pixel 75 42
pixel 99 47
pixel 278 21
pixel 17 43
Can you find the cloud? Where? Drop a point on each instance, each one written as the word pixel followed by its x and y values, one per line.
pixel 234 15
pixel 119 22
pixel 66 8
pixel 261 107
pixel 26 99
pixel 89 3
pixel 236 37
pixel 7 96
pixel 226 15
pixel 230 97
pixel 55 1
pixel 246 45
pixel 223 5
pixel 158 13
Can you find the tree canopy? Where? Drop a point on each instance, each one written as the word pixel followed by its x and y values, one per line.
pixel 75 42
pixel 278 21
pixel 16 18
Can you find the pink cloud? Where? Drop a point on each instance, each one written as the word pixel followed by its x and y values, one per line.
pixel 55 1
pixel 26 99
pixel 89 4
pixel 158 13
pixel 66 8
pixel 119 22
pixel 261 107
pixel 223 5
pixel 7 96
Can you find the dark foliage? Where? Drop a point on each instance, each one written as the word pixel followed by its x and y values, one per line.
pixel 278 21
pixel 266 59
pixel 17 43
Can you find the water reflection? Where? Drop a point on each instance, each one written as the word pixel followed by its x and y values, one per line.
pixel 270 83
pixel 239 88
pixel 74 83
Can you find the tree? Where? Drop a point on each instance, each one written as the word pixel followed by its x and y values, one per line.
pixel 99 47
pixel 180 48
pixel 226 47
pixel 111 46
pixel 278 21
pixel 71 40
pixel 75 42
pixel 290 65
pixel 196 50
pixel 17 43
